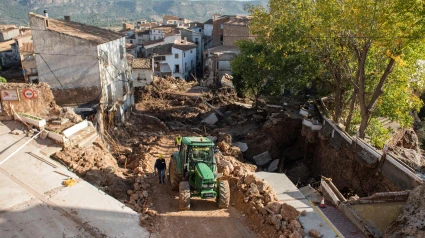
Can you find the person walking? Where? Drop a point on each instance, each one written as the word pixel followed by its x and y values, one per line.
pixel 160 167
pixel 178 141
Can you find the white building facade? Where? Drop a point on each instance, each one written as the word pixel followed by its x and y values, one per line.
pixel 82 64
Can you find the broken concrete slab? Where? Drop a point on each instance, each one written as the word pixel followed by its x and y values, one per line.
pixel 262 159
pixel 273 165
pixel 211 119
pixel 17 132
pixel 60 121
pixel 242 146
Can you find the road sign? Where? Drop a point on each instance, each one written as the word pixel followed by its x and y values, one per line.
pixel 29 94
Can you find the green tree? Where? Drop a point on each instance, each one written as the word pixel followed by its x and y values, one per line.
pixel 2 80
pixel 364 48
pixel 252 70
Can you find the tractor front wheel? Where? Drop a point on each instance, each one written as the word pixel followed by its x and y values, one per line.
pixel 184 195
pixel 174 177
pixel 223 196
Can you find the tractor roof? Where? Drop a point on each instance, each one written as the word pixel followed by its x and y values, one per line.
pixel 197 141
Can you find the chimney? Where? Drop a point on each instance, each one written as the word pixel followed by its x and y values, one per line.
pixel 45 13
pixel 67 18
pixel 215 17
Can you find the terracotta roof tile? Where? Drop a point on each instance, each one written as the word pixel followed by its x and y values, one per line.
pixel 90 33
pixel 27 47
pixel 142 63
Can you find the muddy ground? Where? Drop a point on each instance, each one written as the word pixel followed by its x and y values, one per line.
pixel 122 165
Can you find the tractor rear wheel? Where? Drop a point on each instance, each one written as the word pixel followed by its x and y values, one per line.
pixel 184 195
pixel 174 177
pixel 223 196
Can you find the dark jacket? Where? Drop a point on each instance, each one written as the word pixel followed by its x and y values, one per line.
pixel 160 164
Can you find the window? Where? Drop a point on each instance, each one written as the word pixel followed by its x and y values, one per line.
pixel 200 30
pixel 191 51
pixel 176 68
pixel 159 58
pixel 122 52
pixel 33 70
pixel 221 37
pixel 154 37
pixel 176 56
pixel 131 41
pixel 196 41
pixel 184 54
pixel 221 26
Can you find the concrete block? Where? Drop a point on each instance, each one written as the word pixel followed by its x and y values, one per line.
pixel 242 146
pixel 211 119
pixel 262 159
pixel 273 165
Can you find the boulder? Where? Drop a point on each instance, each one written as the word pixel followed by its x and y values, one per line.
pixel 289 212
pixel 211 119
pixel 250 178
pixel 274 207
pixel 242 146
pixel 273 166
pixel 262 159
pixel 314 233
pixel 275 219
pixel 253 190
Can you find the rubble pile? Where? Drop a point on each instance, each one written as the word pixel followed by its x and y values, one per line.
pixel 96 165
pixel 140 200
pixel 224 143
pixel 406 147
pixel 410 222
pixel 256 199
pixel 160 86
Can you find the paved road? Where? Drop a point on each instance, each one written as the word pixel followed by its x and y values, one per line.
pixel 33 203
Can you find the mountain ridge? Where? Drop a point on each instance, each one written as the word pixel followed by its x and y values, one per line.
pixel 113 13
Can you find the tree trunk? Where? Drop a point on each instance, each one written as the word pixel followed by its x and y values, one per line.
pixel 366 110
pixel 338 99
pixel 350 113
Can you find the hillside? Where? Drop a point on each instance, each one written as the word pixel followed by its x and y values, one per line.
pixel 112 13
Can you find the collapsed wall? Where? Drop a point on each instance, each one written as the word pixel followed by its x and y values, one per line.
pixel 305 155
pixel 42 104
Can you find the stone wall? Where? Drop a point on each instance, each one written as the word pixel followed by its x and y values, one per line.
pixel 218 31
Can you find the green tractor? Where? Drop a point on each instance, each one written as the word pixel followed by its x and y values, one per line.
pixel 193 172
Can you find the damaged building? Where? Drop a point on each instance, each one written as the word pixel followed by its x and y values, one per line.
pixel 85 66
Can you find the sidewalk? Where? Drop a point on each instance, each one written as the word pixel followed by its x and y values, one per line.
pixel 288 193
pixel 33 202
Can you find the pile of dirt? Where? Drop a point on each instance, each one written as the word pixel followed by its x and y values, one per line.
pixel 41 105
pixel 97 166
pixel 411 222
pixel 160 86
pixel 406 147
pixel 256 199
pixel 141 201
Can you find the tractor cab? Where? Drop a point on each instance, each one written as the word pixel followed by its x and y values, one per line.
pixel 196 150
